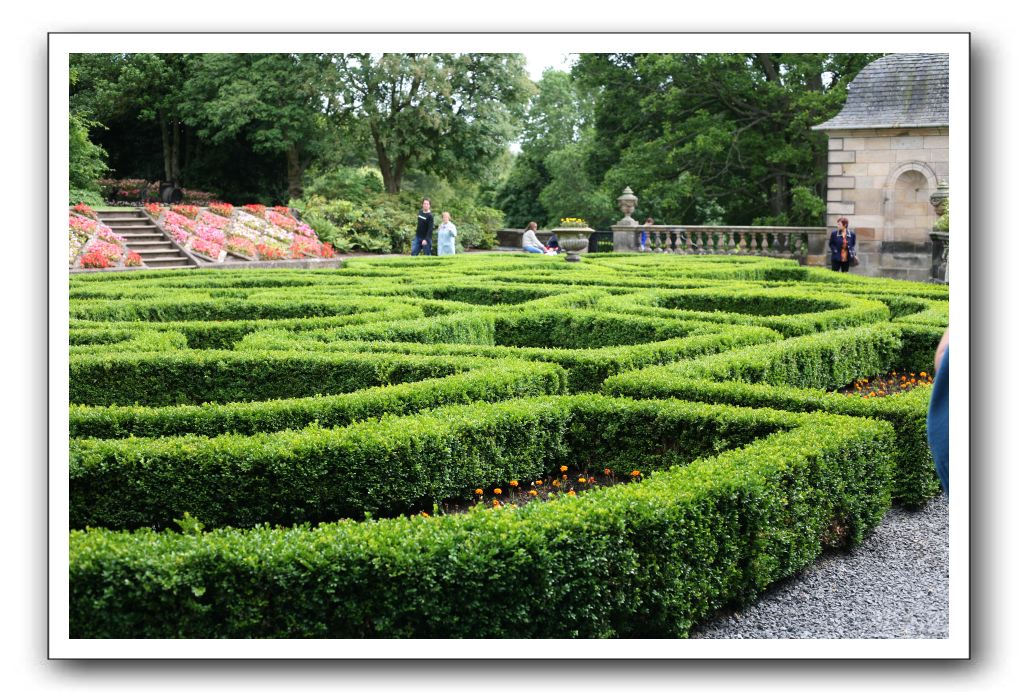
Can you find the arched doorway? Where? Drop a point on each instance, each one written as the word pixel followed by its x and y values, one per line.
pixel 908 216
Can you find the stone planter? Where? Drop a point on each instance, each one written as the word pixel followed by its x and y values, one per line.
pixel 573 241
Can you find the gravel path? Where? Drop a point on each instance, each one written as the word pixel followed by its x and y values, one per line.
pixel 893 586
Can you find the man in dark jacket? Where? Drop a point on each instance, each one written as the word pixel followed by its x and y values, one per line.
pixel 425 226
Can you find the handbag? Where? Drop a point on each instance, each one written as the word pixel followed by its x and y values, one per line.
pixel 853 261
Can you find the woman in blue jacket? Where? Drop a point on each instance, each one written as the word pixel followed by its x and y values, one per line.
pixel 842 244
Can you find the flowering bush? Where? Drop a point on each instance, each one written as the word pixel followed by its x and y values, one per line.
pixel 572 223
pixel 188 210
pixel 277 219
pixel 95 260
pixel 75 241
pixel 304 247
pixel 270 252
pixel 256 209
pixel 209 233
pixel 221 209
pixel 155 210
pixel 86 210
pixel 80 223
pixel 133 260
pixel 111 251
pixel 242 246
pixel 213 220
pixel 106 233
pixel 198 197
pixel 206 247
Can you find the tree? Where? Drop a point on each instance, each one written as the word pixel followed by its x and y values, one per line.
pixel 274 101
pixel 544 184
pixel 86 160
pixel 148 85
pixel 449 113
pixel 695 133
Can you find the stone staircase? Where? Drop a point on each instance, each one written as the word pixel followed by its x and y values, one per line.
pixel 144 237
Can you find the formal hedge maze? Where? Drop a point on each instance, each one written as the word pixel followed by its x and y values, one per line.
pixel 275 453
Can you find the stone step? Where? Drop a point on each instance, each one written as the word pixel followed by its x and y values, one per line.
pixel 161 253
pixel 152 244
pixel 160 262
pixel 130 223
pixel 106 218
pixel 144 237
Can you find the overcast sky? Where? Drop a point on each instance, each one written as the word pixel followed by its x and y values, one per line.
pixel 539 61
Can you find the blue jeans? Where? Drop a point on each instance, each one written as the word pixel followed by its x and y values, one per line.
pixel 416 247
pixel 531 248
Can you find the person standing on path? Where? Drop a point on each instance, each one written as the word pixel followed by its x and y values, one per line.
pixel 842 244
pixel 937 415
pixel 446 236
pixel 425 227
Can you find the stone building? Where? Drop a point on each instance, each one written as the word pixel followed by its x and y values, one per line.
pixel 887 152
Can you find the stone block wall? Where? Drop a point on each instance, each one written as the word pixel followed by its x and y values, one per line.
pixel 881 180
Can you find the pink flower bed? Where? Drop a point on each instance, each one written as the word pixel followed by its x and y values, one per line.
pixel 95 242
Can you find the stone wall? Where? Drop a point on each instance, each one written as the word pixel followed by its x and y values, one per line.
pixel 881 181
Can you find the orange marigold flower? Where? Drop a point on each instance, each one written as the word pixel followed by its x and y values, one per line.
pixel 498 491
pixel 922 374
pixel 533 492
pixel 540 482
pixel 425 514
pixel 563 469
pixel 555 483
pixel 514 483
pixel 607 472
pixel 478 492
pixel 634 473
pixel 572 492
pixel 496 503
pixel 581 479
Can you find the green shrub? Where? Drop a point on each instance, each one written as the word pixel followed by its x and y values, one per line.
pixel 647 559
pixel 495 381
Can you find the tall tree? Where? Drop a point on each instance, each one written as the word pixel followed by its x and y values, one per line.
pixel 275 101
pixel 547 180
pixel 447 112
pixel 148 85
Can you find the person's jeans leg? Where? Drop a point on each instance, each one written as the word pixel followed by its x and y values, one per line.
pixel 536 250
pixel 415 246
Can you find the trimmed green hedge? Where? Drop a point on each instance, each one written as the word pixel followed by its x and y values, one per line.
pixel 640 560
pixel 205 334
pixel 587 368
pixel 798 374
pixel 196 377
pixel 385 466
pixel 504 379
pixel 792 312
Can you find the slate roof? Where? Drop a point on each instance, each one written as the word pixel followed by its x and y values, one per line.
pixel 898 90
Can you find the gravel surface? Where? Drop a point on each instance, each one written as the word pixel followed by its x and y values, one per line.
pixel 893 586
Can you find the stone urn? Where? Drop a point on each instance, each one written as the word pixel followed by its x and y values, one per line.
pixel 574 240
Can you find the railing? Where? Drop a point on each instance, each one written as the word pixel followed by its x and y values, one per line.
pixel 793 242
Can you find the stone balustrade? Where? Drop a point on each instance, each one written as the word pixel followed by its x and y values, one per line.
pixel 806 244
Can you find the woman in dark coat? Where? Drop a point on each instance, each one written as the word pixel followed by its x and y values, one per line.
pixel 842 244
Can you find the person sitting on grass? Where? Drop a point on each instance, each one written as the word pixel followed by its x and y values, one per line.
pixel 530 241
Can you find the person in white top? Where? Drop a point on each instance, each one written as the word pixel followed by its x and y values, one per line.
pixel 530 241
pixel 446 236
